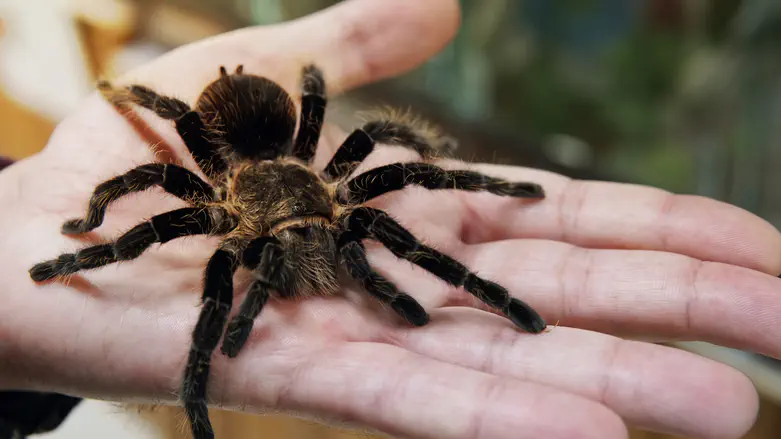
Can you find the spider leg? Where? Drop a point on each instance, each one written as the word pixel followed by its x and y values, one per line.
pixel 360 143
pixel 164 106
pixel 354 257
pixel 313 103
pixel 193 133
pixel 173 179
pixel 161 228
pixel 265 257
pixel 355 148
pixel 188 123
pixel 217 300
pixel 365 222
pixel 384 179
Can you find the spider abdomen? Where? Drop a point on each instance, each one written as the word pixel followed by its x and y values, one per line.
pixel 250 117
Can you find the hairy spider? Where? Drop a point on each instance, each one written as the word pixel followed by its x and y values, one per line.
pixel 290 225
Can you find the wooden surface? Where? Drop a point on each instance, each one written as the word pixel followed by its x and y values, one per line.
pixel 22 132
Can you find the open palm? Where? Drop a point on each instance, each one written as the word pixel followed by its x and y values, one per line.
pixel 619 259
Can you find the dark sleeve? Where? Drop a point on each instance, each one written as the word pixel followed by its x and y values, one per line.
pixel 4 162
pixel 26 413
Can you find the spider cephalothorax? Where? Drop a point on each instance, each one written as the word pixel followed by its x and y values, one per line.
pixel 291 225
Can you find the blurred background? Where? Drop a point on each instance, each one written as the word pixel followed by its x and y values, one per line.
pixel 682 95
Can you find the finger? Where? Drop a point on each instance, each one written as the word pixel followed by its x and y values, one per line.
pixel 407 395
pixel 354 42
pixel 627 292
pixel 649 386
pixel 613 215
pixel 631 293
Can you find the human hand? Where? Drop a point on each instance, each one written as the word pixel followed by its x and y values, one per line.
pixel 615 258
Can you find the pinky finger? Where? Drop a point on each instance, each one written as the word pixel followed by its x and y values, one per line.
pixel 404 394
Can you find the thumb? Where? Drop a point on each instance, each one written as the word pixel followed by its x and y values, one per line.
pixel 354 42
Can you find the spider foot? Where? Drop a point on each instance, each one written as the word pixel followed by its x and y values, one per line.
pixel 410 309
pixel 63 265
pixel 525 317
pixel 75 227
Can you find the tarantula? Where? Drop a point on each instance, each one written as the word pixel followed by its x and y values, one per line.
pixel 291 225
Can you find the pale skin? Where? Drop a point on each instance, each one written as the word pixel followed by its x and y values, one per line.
pixel 618 259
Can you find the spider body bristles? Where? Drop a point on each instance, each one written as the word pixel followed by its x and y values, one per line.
pixel 291 226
